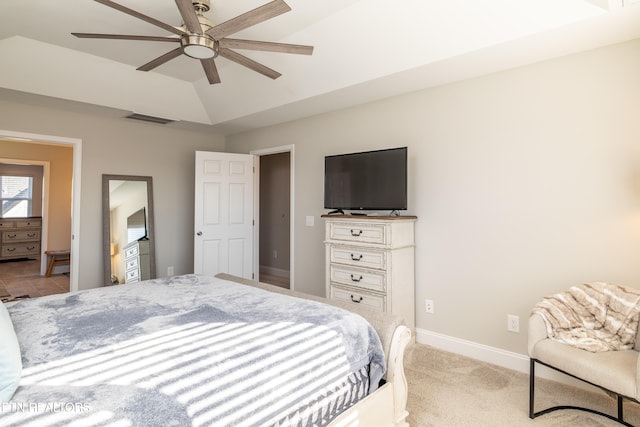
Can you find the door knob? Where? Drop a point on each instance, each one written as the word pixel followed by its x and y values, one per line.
pixel 199 233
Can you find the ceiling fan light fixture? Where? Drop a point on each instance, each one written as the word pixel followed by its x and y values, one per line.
pixel 198 46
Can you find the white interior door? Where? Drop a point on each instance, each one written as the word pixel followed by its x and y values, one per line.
pixel 223 241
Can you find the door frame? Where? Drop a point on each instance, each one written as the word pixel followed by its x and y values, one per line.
pixel 76 146
pixel 256 195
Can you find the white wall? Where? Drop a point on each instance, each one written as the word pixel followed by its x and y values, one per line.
pixel 524 182
pixel 113 145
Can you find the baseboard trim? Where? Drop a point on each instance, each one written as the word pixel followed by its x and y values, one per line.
pixel 485 353
pixel 506 359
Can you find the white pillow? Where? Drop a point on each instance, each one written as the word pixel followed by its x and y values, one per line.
pixel 10 358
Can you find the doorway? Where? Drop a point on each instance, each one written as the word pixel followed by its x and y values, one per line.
pixel 274 211
pixel 75 145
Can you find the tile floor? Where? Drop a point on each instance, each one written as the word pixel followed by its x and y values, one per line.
pixel 23 278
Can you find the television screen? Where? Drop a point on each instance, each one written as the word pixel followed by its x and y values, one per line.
pixel 136 226
pixel 372 180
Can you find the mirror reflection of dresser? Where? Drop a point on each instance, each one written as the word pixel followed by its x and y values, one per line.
pixel 128 229
pixel 136 260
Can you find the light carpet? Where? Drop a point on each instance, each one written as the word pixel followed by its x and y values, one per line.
pixel 447 389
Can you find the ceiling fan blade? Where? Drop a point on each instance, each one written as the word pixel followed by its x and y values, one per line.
pixel 248 19
pixel 125 37
pixel 249 63
pixel 210 70
pixel 266 46
pixel 161 59
pixel 139 15
pixel 189 16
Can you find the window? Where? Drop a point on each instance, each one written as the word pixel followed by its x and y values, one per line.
pixel 16 196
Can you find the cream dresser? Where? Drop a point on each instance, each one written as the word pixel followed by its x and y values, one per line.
pixel 20 237
pixel 370 261
pixel 136 261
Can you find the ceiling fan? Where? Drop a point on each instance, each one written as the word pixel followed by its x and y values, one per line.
pixel 199 38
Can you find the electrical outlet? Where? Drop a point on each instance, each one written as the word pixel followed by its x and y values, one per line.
pixel 170 270
pixel 513 323
pixel 275 254
pixel 428 306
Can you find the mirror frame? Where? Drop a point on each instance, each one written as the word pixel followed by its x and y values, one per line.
pixel 106 224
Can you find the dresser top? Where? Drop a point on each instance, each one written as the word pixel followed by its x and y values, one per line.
pixel 370 217
pixel 13 218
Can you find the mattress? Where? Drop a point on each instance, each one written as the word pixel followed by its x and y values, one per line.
pixel 189 350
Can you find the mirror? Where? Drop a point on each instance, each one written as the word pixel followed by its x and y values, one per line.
pixel 128 229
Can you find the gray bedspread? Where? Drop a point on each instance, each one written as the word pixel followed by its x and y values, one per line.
pixel 188 350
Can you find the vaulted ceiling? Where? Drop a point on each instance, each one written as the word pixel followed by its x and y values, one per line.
pixel 363 50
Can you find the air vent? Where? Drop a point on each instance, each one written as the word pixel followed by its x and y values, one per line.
pixel 152 119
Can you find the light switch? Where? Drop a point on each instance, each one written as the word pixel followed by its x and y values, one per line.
pixel 310 220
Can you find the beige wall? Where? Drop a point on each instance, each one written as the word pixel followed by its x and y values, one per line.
pixel 524 182
pixel 126 147
pixel 60 160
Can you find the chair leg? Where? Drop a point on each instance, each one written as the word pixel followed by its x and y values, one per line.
pixel 532 387
pixel 620 410
pixel 533 414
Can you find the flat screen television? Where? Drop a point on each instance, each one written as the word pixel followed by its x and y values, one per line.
pixel 137 226
pixel 371 180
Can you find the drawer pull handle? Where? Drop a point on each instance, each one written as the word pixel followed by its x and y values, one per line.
pixel 355 279
pixel 30 248
pixel 357 301
pixel 356 258
pixel 31 234
pixel 355 233
pixel 11 236
pixel 11 249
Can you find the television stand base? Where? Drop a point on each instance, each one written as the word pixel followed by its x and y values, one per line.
pixel 358 214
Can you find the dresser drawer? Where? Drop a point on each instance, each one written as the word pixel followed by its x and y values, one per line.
pixel 23 223
pixel 132 263
pixel 366 279
pixel 358 257
pixel 7 224
pixel 21 249
pixel 21 236
pixel 366 299
pixel 133 275
pixel 358 232
pixel 131 251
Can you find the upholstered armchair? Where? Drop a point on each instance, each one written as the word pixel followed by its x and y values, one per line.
pixel 617 371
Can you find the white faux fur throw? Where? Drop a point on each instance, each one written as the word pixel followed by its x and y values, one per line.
pixel 594 316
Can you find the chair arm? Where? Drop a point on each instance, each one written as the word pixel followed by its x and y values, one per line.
pixel 537 332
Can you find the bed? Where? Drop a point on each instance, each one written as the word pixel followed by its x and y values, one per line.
pixel 199 350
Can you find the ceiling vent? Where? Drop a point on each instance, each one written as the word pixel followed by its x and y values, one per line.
pixel 151 119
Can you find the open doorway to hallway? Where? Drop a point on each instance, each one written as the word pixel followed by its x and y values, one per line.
pixel 275 219
pixel 40 220
pixel 21 215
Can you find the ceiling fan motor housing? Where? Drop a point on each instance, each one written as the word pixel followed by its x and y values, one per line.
pixel 199 46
